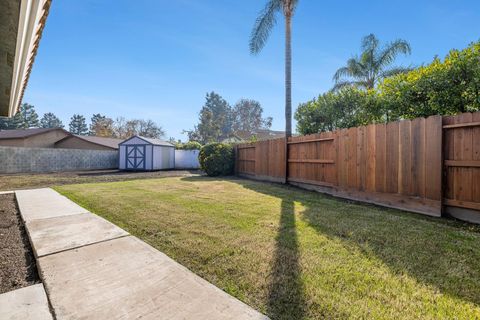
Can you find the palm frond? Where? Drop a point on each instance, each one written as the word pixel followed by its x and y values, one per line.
pixel 370 43
pixel 371 66
pixel 394 71
pixel 263 25
pixel 391 51
pixel 341 73
pixel 362 84
pixel 354 69
pixel 342 84
pixel 357 68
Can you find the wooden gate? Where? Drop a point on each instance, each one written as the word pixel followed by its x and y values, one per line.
pixel 462 165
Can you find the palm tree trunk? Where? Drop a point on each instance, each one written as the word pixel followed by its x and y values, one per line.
pixel 288 86
pixel 288 76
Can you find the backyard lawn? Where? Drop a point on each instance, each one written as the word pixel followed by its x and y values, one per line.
pixel 296 254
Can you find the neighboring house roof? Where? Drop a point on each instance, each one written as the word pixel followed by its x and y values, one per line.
pixel 156 142
pixel 21 26
pixel 26 133
pixel 101 141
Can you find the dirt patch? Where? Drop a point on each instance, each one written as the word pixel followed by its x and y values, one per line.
pixel 41 180
pixel 17 263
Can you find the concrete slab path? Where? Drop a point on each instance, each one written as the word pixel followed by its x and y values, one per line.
pixel 25 303
pixel 45 203
pixel 91 269
pixel 68 232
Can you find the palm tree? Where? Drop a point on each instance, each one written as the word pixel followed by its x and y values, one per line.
pixel 261 30
pixel 372 65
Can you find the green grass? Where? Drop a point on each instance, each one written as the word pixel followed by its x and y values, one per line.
pixel 295 254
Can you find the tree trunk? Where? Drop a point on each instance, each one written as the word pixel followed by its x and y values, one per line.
pixel 288 87
pixel 288 76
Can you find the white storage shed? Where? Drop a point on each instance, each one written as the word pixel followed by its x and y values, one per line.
pixel 145 154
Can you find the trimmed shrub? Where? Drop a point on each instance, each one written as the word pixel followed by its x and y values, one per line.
pixel 217 159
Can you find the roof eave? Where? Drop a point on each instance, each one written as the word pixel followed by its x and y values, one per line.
pixel 31 22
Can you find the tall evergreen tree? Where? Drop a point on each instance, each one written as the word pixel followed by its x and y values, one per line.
pixel 101 126
pixel 215 120
pixel 50 120
pixel 94 120
pixel 78 125
pixel 26 117
pixel 5 123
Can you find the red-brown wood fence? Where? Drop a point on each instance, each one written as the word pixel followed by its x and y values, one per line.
pixel 426 165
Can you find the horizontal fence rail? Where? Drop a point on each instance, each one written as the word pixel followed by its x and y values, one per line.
pixel 420 165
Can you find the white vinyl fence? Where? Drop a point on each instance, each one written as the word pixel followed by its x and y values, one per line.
pixel 186 159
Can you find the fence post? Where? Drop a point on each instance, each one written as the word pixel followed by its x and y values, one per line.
pixel 235 156
pixel 286 160
pixel 443 177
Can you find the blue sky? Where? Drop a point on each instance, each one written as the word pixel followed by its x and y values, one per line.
pixel 157 59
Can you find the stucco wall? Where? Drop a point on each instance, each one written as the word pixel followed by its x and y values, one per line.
pixel 18 159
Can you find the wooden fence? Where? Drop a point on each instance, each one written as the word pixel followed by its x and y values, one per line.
pixel 425 165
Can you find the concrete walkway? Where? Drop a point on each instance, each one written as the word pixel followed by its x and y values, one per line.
pixel 25 303
pixel 91 269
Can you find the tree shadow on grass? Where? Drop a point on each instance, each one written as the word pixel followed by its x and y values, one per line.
pixel 437 252
pixel 285 296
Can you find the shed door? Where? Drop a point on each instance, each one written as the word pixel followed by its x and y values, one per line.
pixel 135 157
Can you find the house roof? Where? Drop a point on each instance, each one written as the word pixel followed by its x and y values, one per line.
pixel 25 133
pixel 156 142
pixel 102 141
pixel 21 27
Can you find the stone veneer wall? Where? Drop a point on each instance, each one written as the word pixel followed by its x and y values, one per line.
pixel 18 159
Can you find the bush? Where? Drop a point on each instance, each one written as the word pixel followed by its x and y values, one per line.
pixel 217 159
pixel 443 87
pixel 346 108
pixel 190 145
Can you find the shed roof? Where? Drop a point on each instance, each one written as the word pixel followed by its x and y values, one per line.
pixel 25 133
pixel 153 141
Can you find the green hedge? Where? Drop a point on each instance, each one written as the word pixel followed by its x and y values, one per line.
pixel 217 159
pixel 443 87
